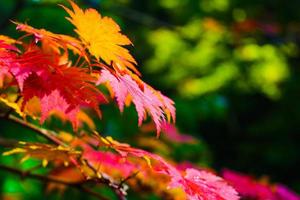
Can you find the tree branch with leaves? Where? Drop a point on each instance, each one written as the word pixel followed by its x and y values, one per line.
pixel 45 74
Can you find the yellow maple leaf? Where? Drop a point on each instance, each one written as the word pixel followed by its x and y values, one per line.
pixel 45 152
pixel 12 105
pixel 8 40
pixel 32 107
pixel 102 37
pixel 84 118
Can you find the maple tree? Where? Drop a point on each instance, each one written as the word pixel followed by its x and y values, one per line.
pixel 44 74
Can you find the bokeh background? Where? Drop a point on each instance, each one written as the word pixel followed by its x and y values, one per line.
pixel 231 66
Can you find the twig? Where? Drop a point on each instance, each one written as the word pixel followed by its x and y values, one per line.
pixel 119 190
pixel 50 135
pixel 26 174
pixel 105 179
pixel 127 178
pixel 8 142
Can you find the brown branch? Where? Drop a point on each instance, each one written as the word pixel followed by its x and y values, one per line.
pixel 50 135
pixel 127 178
pixel 26 174
pixel 9 143
pixel 118 188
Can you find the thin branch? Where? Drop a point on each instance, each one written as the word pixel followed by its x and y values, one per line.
pixel 10 143
pixel 105 179
pixel 119 189
pixel 26 174
pixel 127 178
pixel 50 135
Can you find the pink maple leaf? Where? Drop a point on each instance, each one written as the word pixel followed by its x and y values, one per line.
pixel 201 185
pixel 145 98
pixel 284 193
pixel 197 184
pixel 247 186
pixel 173 134
pixel 55 102
pixel 110 162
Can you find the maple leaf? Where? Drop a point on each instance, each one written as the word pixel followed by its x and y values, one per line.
pixel 145 98
pixel 4 72
pixel 174 135
pixel 7 54
pixel 7 43
pixel 204 185
pixel 102 37
pixel 7 40
pixel 52 42
pixel 59 88
pixel 12 105
pixel 69 174
pixel 84 118
pixel 64 90
pixel 33 60
pixel 32 108
pixel 249 187
pixel 55 102
pixel 110 163
pixel 197 184
pixel 45 152
pixel 103 162
pixel 284 193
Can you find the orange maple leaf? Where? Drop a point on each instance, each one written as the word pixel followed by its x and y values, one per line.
pixel 53 43
pixel 102 37
pixel 7 39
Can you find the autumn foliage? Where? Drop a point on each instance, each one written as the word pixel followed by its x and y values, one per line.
pixel 44 74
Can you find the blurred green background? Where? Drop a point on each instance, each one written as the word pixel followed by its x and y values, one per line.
pixel 231 66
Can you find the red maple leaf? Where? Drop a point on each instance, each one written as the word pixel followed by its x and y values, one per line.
pixel 53 42
pixel 63 89
pixel 60 88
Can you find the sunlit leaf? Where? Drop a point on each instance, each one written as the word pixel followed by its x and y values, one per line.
pixel 145 98
pixel 45 152
pixel 102 37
